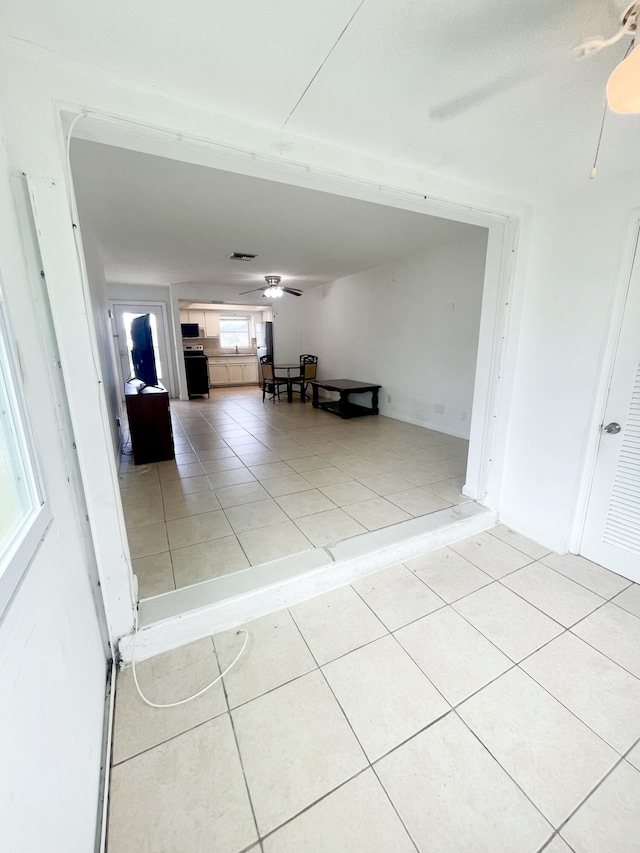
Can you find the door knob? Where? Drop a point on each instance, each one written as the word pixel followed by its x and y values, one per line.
pixel 612 428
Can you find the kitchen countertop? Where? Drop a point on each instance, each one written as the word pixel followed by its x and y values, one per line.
pixel 231 355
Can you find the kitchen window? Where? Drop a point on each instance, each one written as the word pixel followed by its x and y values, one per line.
pixel 234 332
pixel 24 515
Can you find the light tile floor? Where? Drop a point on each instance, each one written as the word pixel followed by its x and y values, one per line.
pixel 254 481
pixel 484 698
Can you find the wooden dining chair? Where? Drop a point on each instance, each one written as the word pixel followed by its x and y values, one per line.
pixel 308 370
pixel 270 382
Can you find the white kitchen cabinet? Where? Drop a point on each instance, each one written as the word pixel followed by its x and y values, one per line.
pixel 211 324
pixel 235 372
pixel 250 371
pixel 184 315
pixel 218 371
pixel 197 317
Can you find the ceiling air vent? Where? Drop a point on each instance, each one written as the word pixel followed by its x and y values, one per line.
pixel 241 256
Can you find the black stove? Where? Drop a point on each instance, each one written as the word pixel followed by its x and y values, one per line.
pixel 196 365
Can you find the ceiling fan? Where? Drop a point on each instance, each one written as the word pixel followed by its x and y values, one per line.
pixel 623 86
pixel 623 94
pixel 273 289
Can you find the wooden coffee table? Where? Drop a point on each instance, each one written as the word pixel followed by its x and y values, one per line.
pixel 343 407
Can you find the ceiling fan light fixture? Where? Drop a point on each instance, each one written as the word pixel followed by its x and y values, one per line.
pixel 623 86
pixel 274 291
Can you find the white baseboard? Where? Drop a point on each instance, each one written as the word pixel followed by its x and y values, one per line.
pixel 436 426
pixel 105 767
pixel 175 618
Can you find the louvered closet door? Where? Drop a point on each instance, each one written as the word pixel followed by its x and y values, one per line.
pixel 612 529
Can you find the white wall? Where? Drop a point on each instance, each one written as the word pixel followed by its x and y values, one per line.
pixel 411 326
pixel 138 293
pixel 36 148
pixel 52 657
pixel 104 336
pixel 563 234
pixel 575 269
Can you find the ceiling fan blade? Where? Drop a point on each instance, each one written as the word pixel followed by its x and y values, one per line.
pixel 292 291
pixel 255 290
pixel 474 97
pixel 548 64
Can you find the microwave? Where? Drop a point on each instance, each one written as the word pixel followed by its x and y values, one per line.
pixel 190 330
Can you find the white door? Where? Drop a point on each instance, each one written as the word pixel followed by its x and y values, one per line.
pixel 123 315
pixel 612 529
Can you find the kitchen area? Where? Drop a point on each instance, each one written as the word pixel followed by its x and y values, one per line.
pixel 222 344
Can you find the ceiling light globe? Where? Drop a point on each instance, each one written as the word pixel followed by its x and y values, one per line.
pixel 623 86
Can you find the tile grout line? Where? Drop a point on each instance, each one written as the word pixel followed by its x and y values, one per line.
pixel 531 654
pixel 316 668
pixel 369 763
pixel 237 745
pixel 504 769
pixel 582 802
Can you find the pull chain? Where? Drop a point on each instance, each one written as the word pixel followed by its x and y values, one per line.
pixel 594 168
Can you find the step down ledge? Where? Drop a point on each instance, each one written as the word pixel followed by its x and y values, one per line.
pixel 179 617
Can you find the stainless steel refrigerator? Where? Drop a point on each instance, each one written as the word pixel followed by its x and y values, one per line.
pixel 264 342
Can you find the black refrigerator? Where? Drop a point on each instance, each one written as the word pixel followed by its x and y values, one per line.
pixel 264 342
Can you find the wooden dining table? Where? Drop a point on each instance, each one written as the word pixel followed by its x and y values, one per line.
pixel 289 377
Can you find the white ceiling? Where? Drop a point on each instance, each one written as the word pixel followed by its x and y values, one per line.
pixel 373 76
pixel 159 221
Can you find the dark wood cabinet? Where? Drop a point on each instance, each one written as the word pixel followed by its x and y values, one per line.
pixel 149 422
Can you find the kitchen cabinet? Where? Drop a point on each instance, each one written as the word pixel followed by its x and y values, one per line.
pixel 211 324
pixel 218 371
pixel 250 371
pixel 233 370
pixel 195 317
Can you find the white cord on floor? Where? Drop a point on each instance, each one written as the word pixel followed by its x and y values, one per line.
pixel 195 695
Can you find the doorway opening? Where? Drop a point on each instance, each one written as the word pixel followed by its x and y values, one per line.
pixel 482 477
pixel 123 316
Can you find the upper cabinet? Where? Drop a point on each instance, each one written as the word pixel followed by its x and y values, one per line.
pixel 197 317
pixel 211 324
pixel 208 322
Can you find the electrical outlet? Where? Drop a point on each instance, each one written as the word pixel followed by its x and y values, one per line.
pixel 463 416
pixel 388 398
pixel 438 409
